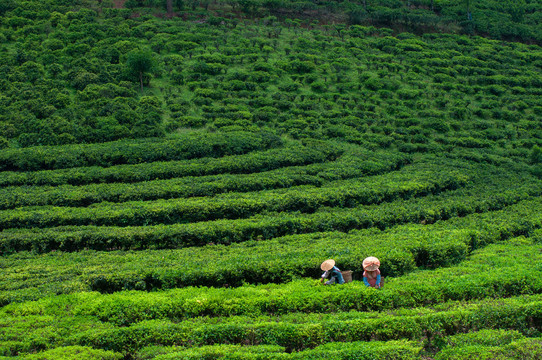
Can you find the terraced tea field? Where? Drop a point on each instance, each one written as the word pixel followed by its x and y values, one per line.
pixel 206 254
pixel 173 173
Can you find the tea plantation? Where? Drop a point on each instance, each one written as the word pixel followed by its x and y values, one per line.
pixel 173 173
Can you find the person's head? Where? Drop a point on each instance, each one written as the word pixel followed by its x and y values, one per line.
pixel 327 265
pixel 371 264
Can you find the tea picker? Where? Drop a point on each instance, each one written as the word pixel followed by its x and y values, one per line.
pixel 331 272
pixel 371 273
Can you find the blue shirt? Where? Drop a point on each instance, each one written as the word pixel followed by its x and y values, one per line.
pixel 334 273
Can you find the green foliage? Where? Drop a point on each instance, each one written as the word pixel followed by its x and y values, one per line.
pixel 296 331
pixel 406 140
pixel 375 350
pixel 280 260
pixel 4 143
pixel 235 164
pixel 94 52
pixel 75 352
pixel 139 65
pixel 347 193
pixel 68 195
pixel 491 344
pixel 535 157
pixel 185 146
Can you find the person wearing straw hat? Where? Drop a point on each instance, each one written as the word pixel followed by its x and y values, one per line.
pixel 371 273
pixel 331 272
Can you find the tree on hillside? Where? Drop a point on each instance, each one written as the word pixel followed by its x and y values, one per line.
pixel 140 63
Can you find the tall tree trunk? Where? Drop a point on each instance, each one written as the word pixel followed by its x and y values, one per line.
pixel 169 5
pixel 141 80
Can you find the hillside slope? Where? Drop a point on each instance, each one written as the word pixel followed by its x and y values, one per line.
pixel 171 183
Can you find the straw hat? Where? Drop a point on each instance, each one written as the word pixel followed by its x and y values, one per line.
pixel 327 265
pixel 371 263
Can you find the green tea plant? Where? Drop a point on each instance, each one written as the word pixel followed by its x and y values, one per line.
pixel 181 208
pixel 347 166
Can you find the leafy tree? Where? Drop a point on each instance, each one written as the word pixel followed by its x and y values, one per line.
pixel 83 78
pixel 140 63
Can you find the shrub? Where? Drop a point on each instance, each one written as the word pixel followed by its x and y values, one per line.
pixel 535 157
pixel 75 352
pixel 4 143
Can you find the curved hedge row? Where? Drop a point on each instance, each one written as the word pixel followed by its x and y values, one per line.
pixel 186 146
pixel 81 196
pixel 514 314
pixel 374 350
pixel 75 352
pixel 490 344
pixel 347 166
pixel 306 296
pixel 409 182
pixel 295 332
pixel 481 198
pixel 280 260
pixel 520 347
pixel 246 163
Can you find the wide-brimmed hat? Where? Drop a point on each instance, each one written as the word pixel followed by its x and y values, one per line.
pixel 327 265
pixel 371 263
